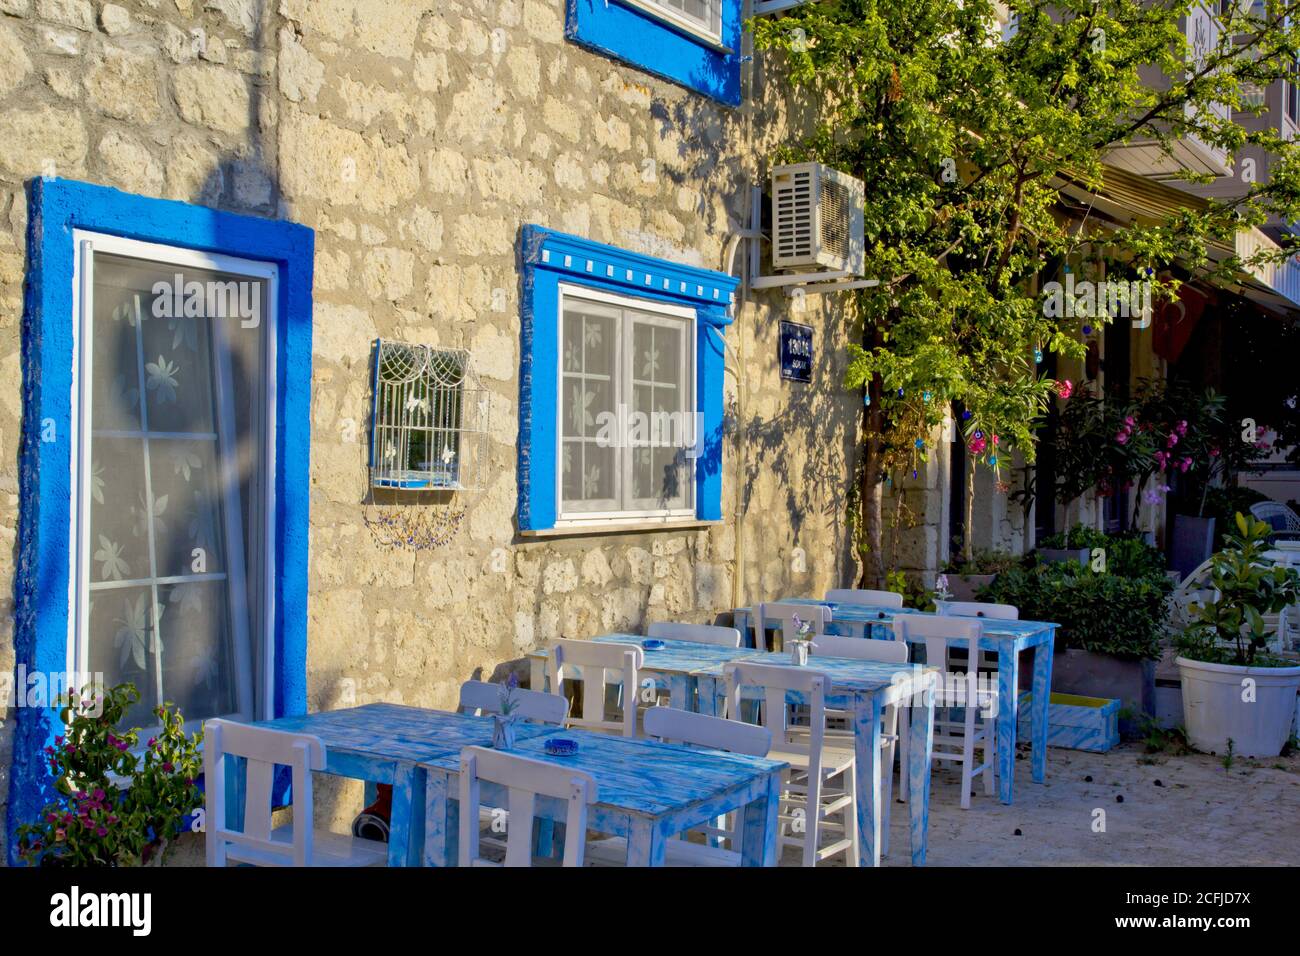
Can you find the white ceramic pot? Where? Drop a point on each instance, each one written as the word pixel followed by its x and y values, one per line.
pixel 1218 706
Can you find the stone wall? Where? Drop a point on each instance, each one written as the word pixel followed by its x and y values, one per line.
pixel 416 139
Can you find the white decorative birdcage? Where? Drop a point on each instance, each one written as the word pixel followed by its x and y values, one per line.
pixel 429 431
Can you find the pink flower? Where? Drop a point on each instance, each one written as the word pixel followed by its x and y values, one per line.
pixel 1065 388
pixel 1184 464
pixel 1214 452
pixel 977 446
pixel 1130 421
pixel 1172 440
pixel 1121 437
pixel 1182 427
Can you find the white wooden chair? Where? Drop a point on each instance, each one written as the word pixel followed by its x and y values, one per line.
pixel 669 725
pixel 482 699
pixel 860 649
pixel 294 844
pixel 526 779
pixel 592 660
pixel 696 633
pixel 865 596
pixel 781 616
pixel 988 660
pixel 955 741
pixel 813 765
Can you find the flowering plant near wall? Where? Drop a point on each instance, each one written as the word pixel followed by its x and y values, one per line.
pixel 1165 432
pixel 119 804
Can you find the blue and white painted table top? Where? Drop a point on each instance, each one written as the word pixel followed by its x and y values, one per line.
pixel 675 657
pixel 642 776
pixel 394 731
pixel 993 633
pixel 846 674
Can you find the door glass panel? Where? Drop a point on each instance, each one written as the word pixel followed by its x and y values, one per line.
pixel 178 386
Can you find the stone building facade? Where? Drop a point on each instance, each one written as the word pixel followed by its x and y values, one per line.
pixel 416 140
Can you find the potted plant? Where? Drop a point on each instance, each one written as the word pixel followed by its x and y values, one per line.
pixel 1234 694
pixel 1065 547
pixel 968 578
pixel 119 804
pixel 503 723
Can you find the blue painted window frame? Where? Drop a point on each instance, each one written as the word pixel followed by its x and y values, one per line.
pixel 549 258
pixel 56 208
pixel 638 37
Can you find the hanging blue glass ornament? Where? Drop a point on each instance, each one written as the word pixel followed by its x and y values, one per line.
pixel 920 443
pixel 1087 330
pixel 866 399
pixel 965 416
pixel 979 433
pixel 1038 356
pixel 993 459
pixel 925 396
pixel 900 393
pixel 913 472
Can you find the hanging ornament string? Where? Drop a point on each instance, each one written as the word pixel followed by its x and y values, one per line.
pixel 412 527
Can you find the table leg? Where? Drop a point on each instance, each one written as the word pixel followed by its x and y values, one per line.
pixel 679 691
pixel 403 825
pixel 440 833
pixel 757 821
pixel 920 751
pixel 645 844
pixel 1008 707
pixel 1042 696
pixel 707 695
pixel 866 750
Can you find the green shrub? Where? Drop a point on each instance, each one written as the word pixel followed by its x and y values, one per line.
pixel 1127 554
pixel 984 562
pixel 1109 613
pixel 1223 504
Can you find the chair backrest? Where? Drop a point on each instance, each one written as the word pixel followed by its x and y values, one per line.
pixel 782 616
pixel 1277 515
pixel 675 726
pixel 776 682
pixel 482 699
pixel 593 660
pixel 865 596
pixel 526 779
pixel 697 633
pixel 263 751
pixel 940 633
pixel 994 612
pixel 860 649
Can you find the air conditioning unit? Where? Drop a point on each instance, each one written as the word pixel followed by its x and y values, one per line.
pixel 816 219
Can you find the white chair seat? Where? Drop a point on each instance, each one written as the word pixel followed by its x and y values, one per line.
pixel 833 761
pixel 328 849
pixel 613 852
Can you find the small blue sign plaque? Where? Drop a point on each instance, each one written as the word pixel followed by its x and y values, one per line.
pixel 796 352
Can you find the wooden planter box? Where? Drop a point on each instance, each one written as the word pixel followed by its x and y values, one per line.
pixel 1087 674
pixel 964 586
pixel 1075 722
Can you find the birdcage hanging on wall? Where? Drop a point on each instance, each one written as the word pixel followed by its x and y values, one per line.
pixel 429 431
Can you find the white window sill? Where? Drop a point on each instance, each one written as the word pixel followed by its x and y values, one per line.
pixel 621 527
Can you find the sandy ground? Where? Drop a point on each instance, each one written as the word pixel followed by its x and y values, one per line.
pixel 1185 810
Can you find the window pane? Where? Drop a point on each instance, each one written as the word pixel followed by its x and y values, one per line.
pixel 178 387
pixel 661 401
pixel 588 400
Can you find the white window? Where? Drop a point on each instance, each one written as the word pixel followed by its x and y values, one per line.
pixel 701 17
pixel 174 493
pixel 628 422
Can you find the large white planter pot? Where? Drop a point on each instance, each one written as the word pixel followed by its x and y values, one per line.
pixel 1214 712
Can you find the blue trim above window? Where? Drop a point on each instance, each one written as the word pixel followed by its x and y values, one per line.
pixel 634 36
pixel 549 258
pixel 57 207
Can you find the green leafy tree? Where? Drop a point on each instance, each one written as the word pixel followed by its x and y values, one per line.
pixel 966 143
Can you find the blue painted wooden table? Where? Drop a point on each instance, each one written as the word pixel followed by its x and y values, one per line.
pixel 676 664
pixel 1007 639
pixel 866 688
pixel 649 793
pixel 386 743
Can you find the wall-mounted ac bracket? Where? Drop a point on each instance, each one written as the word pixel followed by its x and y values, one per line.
pixel 796 284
